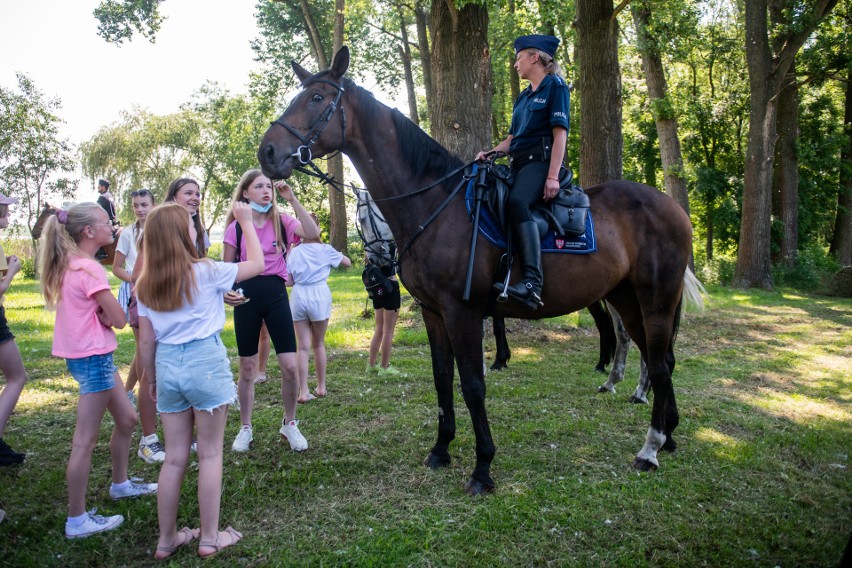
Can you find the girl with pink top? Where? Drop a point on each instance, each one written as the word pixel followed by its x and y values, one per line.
pixel 76 285
pixel 265 298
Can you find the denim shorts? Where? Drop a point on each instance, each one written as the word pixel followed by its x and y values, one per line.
pixel 194 375
pixel 95 373
pixel 5 332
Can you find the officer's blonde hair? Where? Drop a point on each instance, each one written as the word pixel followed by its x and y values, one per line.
pixel 551 67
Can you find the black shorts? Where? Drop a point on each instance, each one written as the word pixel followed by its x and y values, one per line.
pixel 389 301
pixel 5 332
pixel 267 303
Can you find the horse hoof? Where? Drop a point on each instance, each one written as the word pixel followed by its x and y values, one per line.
pixel 602 388
pixel 641 464
pixel 475 488
pixel 636 400
pixel 435 461
pixel 498 366
pixel 670 446
pixel 600 369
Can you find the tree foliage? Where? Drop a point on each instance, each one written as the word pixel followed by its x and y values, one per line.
pixel 119 20
pixel 699 44
pixel 36 165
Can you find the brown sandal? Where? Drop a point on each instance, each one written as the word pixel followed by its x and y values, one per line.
pixel 185 536
pixel 218 546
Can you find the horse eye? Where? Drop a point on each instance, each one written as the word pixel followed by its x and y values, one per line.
pixel 316 98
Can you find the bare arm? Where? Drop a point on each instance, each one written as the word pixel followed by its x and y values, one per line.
pixel 308 229
pixel 229 253
pixel 147 348
pixel 254 265
pixel 551 184
pixel 14 266
pixel 109 310
pixel 118 267
pixel 501 147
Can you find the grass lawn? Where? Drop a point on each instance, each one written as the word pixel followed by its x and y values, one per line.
pixel 761 476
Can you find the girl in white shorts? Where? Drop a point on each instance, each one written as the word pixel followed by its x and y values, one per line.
pixel 309 265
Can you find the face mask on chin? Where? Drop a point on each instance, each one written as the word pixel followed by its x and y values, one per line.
pixel 260 208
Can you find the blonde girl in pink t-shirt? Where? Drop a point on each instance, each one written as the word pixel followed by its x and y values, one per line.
pixel 76 286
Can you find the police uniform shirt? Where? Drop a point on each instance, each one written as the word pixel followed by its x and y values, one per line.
pixel 537 112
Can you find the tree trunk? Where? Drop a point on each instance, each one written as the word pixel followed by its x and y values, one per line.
pixel 461 64
pixel 422 21
pixel 601 142
pixel 753 268
pixel 785 178
pixel 766 70
pixel 338 227
pixel 841 242
pixel 405 55
pixel 663 109
pixel 314 35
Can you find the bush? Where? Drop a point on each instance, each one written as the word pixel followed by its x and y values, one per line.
pixel 215 251
pixel 719 270
pixel 28 267
pixel 813 268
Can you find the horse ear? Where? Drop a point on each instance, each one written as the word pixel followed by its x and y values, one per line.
pixel 302 73
pixel 341 63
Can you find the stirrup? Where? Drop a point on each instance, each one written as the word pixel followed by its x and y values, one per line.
pixel 532 299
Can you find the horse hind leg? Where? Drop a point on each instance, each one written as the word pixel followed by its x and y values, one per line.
pixel 622 348
pixel 664 414
pixel 503 353
pixel 640 395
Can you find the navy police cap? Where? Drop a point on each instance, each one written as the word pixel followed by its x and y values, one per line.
pixel 545 43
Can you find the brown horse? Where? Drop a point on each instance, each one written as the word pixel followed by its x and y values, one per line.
pixel 644 241
pixel 49 210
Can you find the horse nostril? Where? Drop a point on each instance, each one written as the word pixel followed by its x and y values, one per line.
pixel 269 152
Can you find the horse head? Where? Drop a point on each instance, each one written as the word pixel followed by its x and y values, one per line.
pixel 46 212
pixel 311 126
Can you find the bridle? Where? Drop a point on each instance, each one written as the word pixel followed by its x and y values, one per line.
pixel 303 152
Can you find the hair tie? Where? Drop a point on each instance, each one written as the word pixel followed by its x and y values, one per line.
pixel 62 216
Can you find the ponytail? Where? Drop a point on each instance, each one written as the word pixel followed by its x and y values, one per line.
pixel 58 242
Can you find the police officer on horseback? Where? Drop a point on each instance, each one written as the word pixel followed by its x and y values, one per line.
pixel 536 145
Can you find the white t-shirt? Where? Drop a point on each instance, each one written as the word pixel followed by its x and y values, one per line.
pixel 127 246
pixel 205 315
pixel 311 263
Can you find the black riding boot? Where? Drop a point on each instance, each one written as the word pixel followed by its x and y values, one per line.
pixel 528 290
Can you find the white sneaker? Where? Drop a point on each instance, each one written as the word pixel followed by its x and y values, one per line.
pixel 291 432
pixel 260 378
pixel 133 489
pixel 151 450
pixel 243 439
pixel 92 524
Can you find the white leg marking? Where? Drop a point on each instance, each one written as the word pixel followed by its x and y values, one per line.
pixel 653 442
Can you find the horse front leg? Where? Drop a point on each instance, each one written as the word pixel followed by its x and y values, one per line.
pixel 442 371
pixel 465 333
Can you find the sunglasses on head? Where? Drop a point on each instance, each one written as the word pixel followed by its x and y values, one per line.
pixel 140 193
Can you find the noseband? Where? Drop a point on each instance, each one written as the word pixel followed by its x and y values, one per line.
pixel 303 152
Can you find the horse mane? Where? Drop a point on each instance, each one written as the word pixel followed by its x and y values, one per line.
pixel 420 151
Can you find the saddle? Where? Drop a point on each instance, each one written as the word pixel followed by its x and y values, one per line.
pixel 566 214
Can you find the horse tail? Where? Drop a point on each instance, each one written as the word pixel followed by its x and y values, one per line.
pixel 693 290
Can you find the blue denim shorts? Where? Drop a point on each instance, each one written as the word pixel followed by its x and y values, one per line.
pixel 95 373
pixel 194 375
